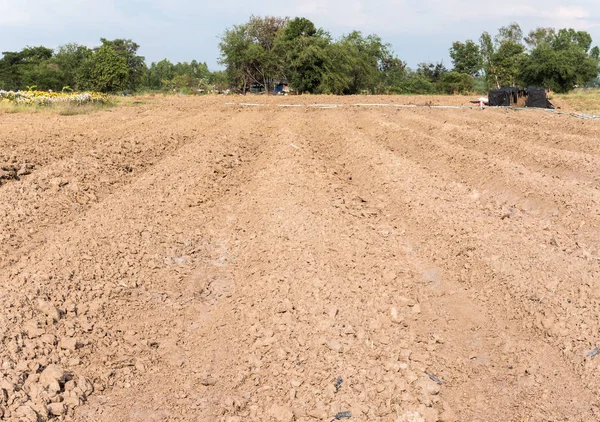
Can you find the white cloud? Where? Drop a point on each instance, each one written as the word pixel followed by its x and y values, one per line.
pixel 370 15
pixel 12 14
pixel 572 12
pixel 73 14
pixel 185 29
pixel 433 15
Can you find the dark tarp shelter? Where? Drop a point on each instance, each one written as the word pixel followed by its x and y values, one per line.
pixel 513 92
pixel 499 98
pixel 536 97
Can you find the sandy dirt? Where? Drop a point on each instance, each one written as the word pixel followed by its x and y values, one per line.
pixel 188 260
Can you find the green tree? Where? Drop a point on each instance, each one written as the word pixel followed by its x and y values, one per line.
pixel 136 66
pixel 501 59
pixel 69 58
pixel 11 77
pixel 44 76
pixel 159 72
pixel 432 71
pixel 268 49
pixel 297 28
pixel 539 36
pixel 568 38
pixel 185 83
pixel 337 70
pixel 234 44
pixel 393 72
pixel 486 47
pixel 456 83
pixel 36 55
pixel 105 71
pixel 26 67
pixel 365 59
pixel 466 57
pixel 218 79
pixel 37 69
pixel 248 52
pixel 510 33
pixel 506 63
pixel 192 69
pixel 561 62
pixel 416 83
pixel 304 51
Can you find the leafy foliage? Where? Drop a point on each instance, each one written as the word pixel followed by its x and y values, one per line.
pixel 466 57
pixel 557 60
pixel 539 36
pixel 249 52
pixel 69 58
pixel 506 61
pixel 267 51
pixel 178 77
pixel 127 50
pixel 512 33
pixel 305 53
pixel 432 71
pixel 105 71
pixel 561 61
pixel 456 83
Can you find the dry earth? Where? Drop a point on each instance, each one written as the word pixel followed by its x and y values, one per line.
pixel 187 260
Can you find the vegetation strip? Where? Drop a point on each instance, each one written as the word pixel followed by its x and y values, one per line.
pixel 277 55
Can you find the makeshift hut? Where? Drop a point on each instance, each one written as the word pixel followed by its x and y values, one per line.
pixel 513 92
pixel 499 98
pixel 537 98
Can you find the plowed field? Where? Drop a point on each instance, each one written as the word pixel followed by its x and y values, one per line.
pixel 189 260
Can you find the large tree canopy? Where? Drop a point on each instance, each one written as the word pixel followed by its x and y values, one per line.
pixel 248 52
pixel 136 66
pixel 28 67
pixel 105 71
pixel 557 60
pixel 311 61
pixel 466 57
pixel 267 50
pixel 305 54
pixel 560 61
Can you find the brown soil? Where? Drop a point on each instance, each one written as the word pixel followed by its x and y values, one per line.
pixel 187 260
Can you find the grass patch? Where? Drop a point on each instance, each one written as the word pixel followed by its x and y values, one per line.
pixel 10 107
pixel 75 110
pixel 62 109
pixel 586 101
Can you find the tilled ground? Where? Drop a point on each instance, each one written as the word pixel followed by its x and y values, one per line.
pixel 188 260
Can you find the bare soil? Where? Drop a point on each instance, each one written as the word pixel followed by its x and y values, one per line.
pixel 188 260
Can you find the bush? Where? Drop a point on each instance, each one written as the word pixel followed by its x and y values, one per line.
pixel 456 83
pixel 418 84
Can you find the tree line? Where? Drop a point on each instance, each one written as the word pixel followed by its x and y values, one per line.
pixel 266 51
pixel 114 66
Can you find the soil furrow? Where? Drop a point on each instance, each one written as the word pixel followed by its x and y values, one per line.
pixel 288 264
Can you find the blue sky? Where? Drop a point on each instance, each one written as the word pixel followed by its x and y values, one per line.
pixel 180 30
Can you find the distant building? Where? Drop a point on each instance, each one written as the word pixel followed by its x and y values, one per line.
pixel 282 88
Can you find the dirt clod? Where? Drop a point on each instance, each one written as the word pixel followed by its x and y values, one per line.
pixel 282 413
pixel 57 409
